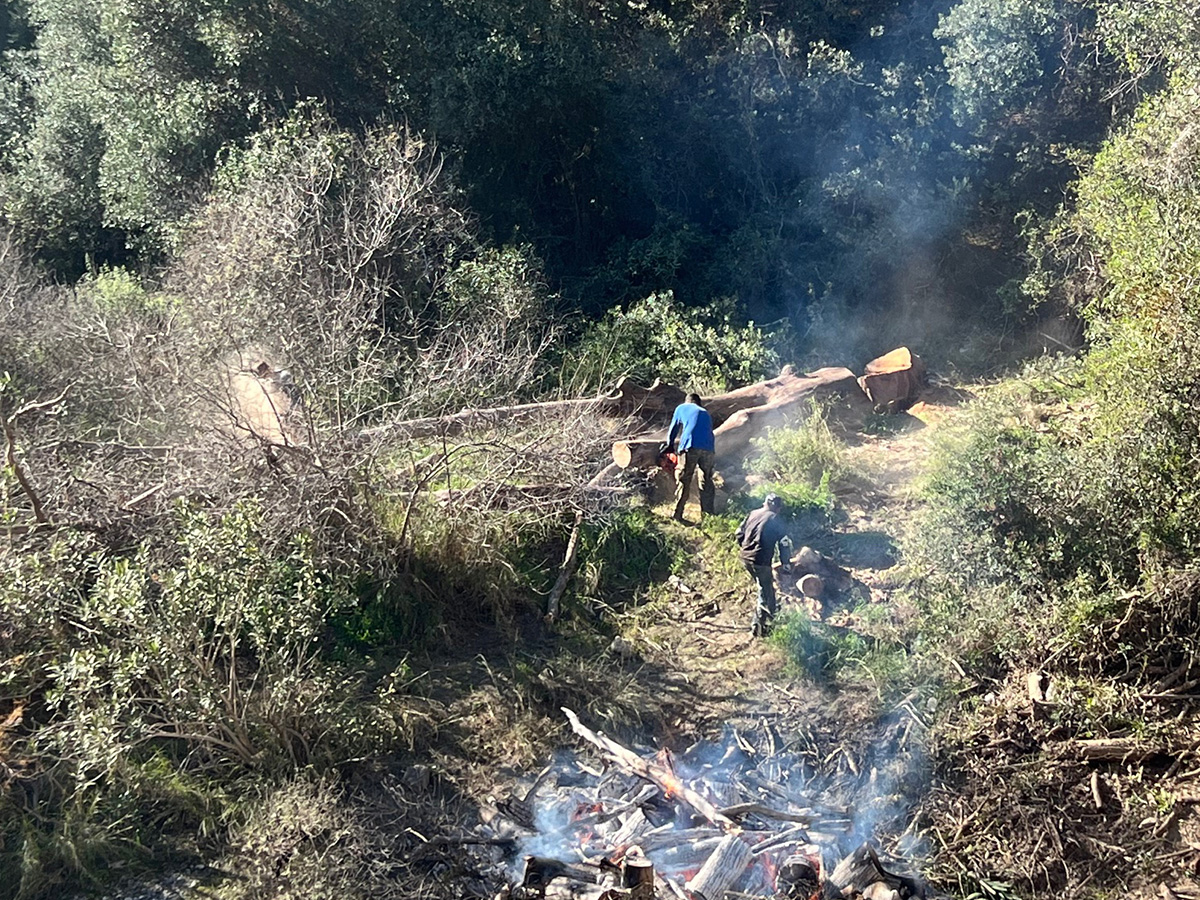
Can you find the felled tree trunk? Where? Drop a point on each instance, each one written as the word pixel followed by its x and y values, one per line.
pixel 746 412
pixel 627 398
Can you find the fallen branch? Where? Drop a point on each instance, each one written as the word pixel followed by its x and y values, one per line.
pixel 627 398
pixel 564 574
pixel 745 809
pixel 660 775
pixel 1117 749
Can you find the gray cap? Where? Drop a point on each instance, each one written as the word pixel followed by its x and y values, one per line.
pixel 772 501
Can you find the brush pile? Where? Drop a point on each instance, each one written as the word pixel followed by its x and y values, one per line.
pixel 732 821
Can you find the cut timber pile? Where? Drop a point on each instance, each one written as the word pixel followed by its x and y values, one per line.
pixel 892 382
pixel 642 829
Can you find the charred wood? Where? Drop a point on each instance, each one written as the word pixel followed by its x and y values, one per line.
pixel 722 869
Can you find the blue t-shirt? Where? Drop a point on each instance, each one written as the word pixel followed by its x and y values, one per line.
pixel 694 425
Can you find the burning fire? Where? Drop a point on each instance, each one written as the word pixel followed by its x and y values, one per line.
pixel 729 817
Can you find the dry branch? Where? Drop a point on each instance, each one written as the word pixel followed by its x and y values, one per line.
pixel 1117 749
pixel 564 574
pixel 626 399
pixel 658 774
pixel 516 496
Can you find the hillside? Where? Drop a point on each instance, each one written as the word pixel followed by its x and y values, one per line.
pixel 944 758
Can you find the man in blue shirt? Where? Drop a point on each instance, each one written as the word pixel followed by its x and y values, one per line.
pixel 691 436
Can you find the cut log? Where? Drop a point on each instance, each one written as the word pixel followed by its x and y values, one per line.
pixel 733 436
pixel 894 381
pixel 812 586
pixel 799 876
pixel 539 871
pixel 641 453
pixel 861 869
pixel 721 870
pixel 637 875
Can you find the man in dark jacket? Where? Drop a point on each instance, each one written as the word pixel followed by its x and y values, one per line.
pixel 691 435
pixel 757 537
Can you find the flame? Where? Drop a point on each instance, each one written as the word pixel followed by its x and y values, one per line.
pixel 671 783
pixel 586 809
pixel 771 869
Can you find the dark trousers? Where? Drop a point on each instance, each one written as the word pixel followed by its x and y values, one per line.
pixel 689 462
pixel 766 605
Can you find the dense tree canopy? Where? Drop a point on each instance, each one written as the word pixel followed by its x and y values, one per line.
pixel 792 156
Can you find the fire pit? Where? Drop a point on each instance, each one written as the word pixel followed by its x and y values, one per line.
pixel 730 821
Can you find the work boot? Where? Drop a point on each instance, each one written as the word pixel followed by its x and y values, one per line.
pixel 761 627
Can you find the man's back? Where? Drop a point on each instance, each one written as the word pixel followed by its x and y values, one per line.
pixel 758 535
pixel 695 428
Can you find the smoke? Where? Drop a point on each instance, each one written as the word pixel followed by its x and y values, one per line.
pixel 833 802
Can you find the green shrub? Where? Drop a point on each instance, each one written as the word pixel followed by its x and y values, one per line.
pixel 150 678
pixel 805 454
pixel 622 555
pixel 703 349
pixel 826 652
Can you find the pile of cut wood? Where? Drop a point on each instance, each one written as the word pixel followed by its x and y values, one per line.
pixel 639 829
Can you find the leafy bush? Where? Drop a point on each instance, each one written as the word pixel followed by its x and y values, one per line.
pixel 701 349
pixel 799 462
pixel 805 453
pixel 829 653
pixel 184 662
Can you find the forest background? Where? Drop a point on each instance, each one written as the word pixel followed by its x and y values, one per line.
pixel 415 207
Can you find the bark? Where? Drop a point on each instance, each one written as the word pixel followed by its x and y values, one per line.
pixel 894 381
pixel 786 394
pixel 1119 749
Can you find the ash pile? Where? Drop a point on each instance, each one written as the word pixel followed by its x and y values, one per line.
pixel 749 818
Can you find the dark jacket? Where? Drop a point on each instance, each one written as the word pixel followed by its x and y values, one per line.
pixel 758 534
